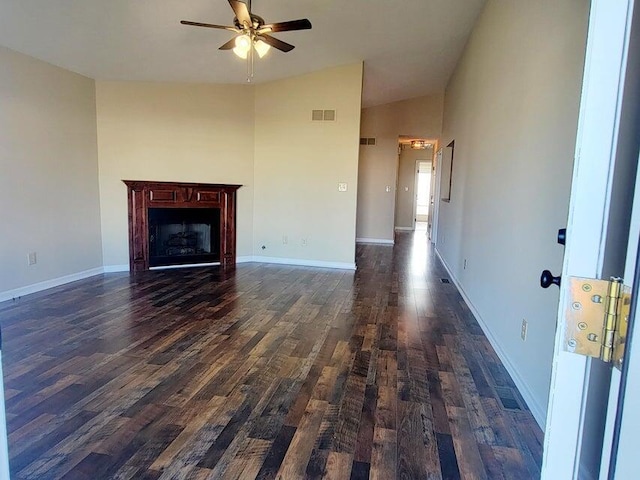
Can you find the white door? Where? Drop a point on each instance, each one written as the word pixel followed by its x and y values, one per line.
pixel 432 188
pixel 435 195
pixel 599 245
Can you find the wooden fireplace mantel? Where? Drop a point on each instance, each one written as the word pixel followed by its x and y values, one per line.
pixel 143 195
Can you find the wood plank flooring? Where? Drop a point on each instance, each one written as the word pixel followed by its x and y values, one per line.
pixel 267 372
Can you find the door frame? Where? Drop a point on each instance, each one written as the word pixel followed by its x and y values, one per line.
pixel 589 214
pixel 437 173
pixel 416 170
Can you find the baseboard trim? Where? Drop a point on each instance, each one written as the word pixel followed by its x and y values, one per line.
pixel 377 241
pixel 54 282
pixel 304 263
pixel 116 268
pixel 536 409
pixel 404 229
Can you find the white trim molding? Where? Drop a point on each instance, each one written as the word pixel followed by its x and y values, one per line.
pixel 376 241
pixel 304 262
pixel 244 259
pixel 536 409
pixel 54 282
pixel 116 268
pixel 404 229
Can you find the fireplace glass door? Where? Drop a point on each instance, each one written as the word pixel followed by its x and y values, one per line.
pixel 179 236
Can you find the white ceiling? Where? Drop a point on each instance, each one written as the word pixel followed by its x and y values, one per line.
pixel 409 47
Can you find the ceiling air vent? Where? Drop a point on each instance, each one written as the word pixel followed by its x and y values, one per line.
pixel 317 115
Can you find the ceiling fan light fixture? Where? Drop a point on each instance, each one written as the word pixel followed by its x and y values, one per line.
pixel 243 45
pixel 241 52
pixel 261 47
pixel 420 144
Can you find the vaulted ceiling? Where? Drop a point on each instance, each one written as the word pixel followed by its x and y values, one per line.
pixel 409 47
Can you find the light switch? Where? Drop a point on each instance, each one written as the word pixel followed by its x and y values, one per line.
pixel 387 189
pixel 342 187
pixel 406 189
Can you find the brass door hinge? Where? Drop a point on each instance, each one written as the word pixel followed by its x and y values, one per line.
pixel 597 316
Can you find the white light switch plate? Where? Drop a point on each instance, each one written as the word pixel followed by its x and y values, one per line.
pixel 342 187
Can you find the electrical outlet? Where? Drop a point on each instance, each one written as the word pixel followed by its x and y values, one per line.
pixel 523 330
pixel 464 266
pixel 342 187
pixel 304 242
pixel 285 239
pixel 32 258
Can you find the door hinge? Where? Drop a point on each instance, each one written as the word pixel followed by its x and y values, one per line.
pixel 597 315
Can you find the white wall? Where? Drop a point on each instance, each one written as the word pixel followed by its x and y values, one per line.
pixel 378 167
pixel 48 173
pixel 172 132
pixel 512 107
pixel 299 163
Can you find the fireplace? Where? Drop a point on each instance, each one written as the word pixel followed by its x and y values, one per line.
pixel 174 223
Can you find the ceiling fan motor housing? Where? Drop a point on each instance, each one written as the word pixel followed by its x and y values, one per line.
pixel 257 22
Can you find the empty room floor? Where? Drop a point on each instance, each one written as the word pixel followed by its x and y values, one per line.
pixel 270 371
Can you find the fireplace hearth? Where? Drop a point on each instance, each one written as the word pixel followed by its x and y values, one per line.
pixel 173 223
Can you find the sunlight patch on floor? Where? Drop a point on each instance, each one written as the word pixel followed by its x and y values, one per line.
pixel 419 249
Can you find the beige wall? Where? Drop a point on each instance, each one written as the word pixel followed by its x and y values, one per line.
pixel 299 163
pixel 378 167
pixel 172 132
pixel 406 191
pixel 48 172
pixel 512 108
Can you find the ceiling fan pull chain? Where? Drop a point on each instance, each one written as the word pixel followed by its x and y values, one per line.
pixel 251 54
pixel 249 67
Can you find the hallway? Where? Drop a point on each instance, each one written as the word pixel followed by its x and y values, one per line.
pixel 269 371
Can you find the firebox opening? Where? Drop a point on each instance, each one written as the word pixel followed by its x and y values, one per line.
pixel 179 236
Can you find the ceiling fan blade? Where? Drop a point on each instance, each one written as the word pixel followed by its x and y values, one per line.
pixel 275 43
pixel 208 25
pixel 242 12
pixel 230 45
pixel 302 24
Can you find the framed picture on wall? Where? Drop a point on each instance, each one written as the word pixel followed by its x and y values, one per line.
pixel 447 172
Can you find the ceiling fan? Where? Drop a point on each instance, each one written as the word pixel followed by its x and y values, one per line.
pixel 252 31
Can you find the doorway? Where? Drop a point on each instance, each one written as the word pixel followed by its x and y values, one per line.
pixel 423 190
pixel 413 189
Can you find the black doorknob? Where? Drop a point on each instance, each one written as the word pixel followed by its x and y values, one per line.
pixel 547 279
pixel 562 236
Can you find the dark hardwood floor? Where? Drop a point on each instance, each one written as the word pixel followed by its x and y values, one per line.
pixel 267 372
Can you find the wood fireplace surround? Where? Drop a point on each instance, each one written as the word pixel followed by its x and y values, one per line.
pixel 143 195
